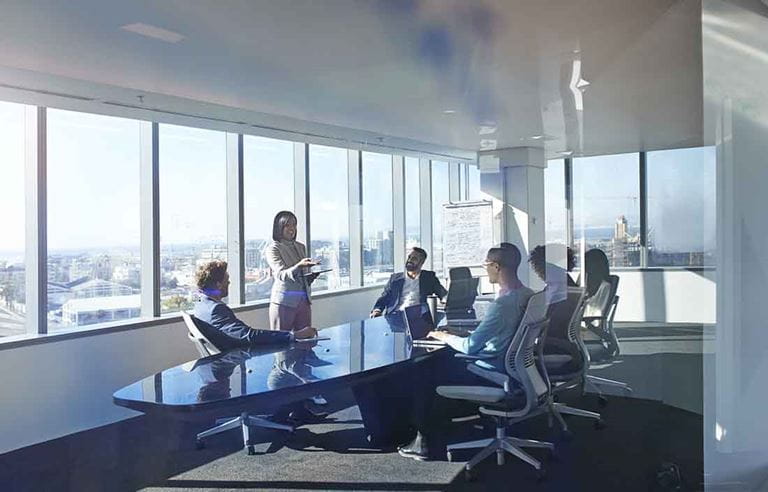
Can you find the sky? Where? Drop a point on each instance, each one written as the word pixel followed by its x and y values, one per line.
pixel 93 180
pixel 93 183
pixel 681 196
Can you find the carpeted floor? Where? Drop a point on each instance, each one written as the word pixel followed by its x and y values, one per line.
pixel 642 436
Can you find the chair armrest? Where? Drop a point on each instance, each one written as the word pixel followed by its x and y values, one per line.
pixel 474 357
pixel 493 376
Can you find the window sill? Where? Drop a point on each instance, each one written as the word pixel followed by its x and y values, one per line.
pixel 139 323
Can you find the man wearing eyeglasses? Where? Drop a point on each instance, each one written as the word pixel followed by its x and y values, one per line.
pixel 410 288
pixel 491 338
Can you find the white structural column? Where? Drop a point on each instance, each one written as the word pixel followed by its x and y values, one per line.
pixel 514 178
pixel 36 260
pixel 235 219
pixel 149 185
pixel 355 219
pixel 301 192
pixel 455 182
pixel 398 210
pixel 425 208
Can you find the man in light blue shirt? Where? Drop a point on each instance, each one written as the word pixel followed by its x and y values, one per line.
pixel 491 338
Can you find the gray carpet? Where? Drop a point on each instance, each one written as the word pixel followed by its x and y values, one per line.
pixel 318 457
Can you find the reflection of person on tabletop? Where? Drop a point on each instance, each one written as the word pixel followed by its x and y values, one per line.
pixel 491 338
pixel 293 368
pixel 410 288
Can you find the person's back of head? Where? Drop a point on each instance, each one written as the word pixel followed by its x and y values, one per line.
pixel 210 274
pixel 596 270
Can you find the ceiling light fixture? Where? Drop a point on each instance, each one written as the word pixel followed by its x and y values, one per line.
pixel 537 137
pixel 566 152
pixel 153 32
pixel 449 111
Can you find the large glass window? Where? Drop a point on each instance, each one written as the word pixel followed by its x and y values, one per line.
pixel 329 215
pixel 94 268
pixel 556 223
pixel 378 233
pixel 268 189
pixel 412 203
pixel 606 194
pixel 473 183
pixel 681 207
pixel 12 278
pixel 440 196
pixel 193 209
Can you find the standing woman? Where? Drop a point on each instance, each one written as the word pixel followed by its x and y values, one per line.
pixel 289 307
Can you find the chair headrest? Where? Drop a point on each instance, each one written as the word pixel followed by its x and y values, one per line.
pixel 459 273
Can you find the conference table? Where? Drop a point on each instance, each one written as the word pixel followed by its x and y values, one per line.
pixel 374 358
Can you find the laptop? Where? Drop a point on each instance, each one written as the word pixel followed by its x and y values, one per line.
pixel 418 324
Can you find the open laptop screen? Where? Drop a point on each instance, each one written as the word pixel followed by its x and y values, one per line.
pixel 418 322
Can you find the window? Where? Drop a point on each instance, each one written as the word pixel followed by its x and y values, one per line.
pixel 378 233
pixel 412 203
pixel 329 215
pixel 681 207
pixel 555 223
pixel 473 183
pixel 440 196
pixel 12 268
pixel 94 267
pixel 193 209
pixel 606 196
pixel 268 189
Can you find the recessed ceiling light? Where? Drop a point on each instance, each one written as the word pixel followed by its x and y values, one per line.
pixel 576 52
pixel 537 137
pixel 449 111
pixel 153 32
pixel 566 152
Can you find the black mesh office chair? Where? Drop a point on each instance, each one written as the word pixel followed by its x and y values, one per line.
pixel 462 292
pixel 568 362
pixel 599 319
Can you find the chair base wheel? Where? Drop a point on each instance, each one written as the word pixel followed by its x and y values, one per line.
pixel 449 456
pixel 199 444
pixel 250 450
pixel 599 424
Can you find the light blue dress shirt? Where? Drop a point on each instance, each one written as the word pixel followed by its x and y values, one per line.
pixel 494 334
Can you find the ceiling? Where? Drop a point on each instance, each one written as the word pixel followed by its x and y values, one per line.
pixel 463 75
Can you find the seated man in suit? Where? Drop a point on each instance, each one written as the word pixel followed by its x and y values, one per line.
pixel 410 288
pixel 220 325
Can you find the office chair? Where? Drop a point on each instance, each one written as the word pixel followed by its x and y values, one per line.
pixel 462 292
pixel 601 323
pixel 509 401
pixel 567 371
pixel 244 421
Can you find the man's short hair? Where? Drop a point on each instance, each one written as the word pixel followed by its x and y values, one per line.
pixel 422 252
pixel 211 273
pixel 507 255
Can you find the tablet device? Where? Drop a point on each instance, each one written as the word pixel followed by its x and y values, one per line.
pixel 312 272
pixel 313 339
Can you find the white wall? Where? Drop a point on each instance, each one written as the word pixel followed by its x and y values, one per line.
pixel 671 296
pixel 53 389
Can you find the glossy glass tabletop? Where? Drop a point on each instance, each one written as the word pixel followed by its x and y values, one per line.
pixel 352 348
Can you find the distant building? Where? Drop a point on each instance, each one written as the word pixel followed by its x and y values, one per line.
pixel 90 311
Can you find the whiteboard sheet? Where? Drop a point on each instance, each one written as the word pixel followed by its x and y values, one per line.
pixel 467 233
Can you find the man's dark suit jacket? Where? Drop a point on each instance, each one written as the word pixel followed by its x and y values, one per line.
pixel 390 298
pixel 225 331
